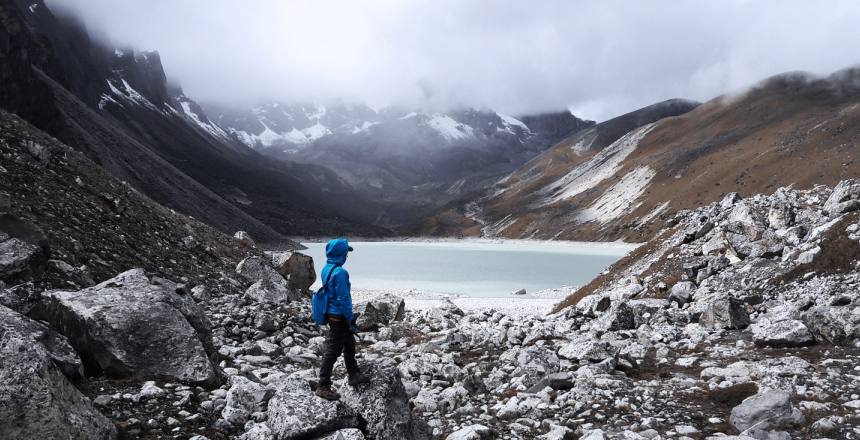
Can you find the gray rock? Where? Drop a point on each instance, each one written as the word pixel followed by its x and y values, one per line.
pixel 270 292
pixel 256 269
pixel 36 399
pixel 471 432
pixel 620 316
pixel 768 410
pixel 785 333
pixel 17 258
pixel 682 292
pixel 584 347
pixel 844 198
pixel 368 317
pixel 345 434
pixel 384 405
pixel 243 398
pixel 297 268
pixel 131 326
pixel 57 346
pixel 837 325
pixel 296 412
pixel 727 313
pixel 390 307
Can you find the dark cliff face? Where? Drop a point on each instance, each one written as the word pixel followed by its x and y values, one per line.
pixel 116 106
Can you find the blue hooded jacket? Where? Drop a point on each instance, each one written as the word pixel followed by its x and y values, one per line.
pixel 339 296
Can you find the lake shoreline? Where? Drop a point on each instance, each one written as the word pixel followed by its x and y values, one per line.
pixel 538 303
pixel 479 240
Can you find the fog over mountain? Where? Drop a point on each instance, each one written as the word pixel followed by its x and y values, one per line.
pixel 599 59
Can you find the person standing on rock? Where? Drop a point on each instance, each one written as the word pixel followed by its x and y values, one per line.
pixel 340 320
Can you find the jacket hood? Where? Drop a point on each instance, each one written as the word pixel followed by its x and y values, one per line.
pixel 336 251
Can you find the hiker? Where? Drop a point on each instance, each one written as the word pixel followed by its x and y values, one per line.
pixel 338 315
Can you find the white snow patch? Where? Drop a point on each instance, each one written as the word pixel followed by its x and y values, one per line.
pixel 33 8
pixel 496 228
pixel 619 198
pixel 597 169
pixel 586 140
pixel 130 94
pixel 294 136
pixel 315 131
pixel 450 129
pixel 268 136
pixel 364 127
pixel 408 115
pixel 208 126
pixel 511 121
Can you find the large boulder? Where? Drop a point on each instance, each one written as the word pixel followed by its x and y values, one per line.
pixel 296 267
pixel 784 333
pixel 586 347
pixel 382 310
pixel 56 345
pixel 133 326
pixel 255 269
pixel 383 405
pixel 36 400
pixel 768 410
pixel 726 313
pixel 837 325
pixel 295 412
pixel 270 292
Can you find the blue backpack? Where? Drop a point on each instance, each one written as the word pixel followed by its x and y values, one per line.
pixel 319 301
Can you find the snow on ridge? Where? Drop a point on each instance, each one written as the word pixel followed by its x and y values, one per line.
pixel 315 132
pixel 364 127
pixel 210 127
pixel 408 115
pixel 600 167
pixel 619 199
pixel 586 140
pixel 129 94
pixel 450 129
pixel 511 121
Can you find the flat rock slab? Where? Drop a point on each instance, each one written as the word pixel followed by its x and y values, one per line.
pixel 131 326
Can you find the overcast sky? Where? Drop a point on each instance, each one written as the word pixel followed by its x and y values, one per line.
pixel 599 58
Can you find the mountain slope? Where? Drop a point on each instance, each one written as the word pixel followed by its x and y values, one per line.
pixel 494 213
pixel 792 129
pixel 116 106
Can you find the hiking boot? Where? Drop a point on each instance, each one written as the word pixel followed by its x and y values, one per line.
pixel 327 393
pixel 358 379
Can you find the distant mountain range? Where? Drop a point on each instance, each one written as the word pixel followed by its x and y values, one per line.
pixel 624 179
pixel 409 161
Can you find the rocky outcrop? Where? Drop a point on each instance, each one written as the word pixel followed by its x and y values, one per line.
pixel 133 326
pixel 295 412
pixel 383 405
pixel 36 399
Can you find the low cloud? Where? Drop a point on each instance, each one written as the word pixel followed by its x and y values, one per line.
pixel 598 58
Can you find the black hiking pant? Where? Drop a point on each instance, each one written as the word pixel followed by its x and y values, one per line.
pixel 339 340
